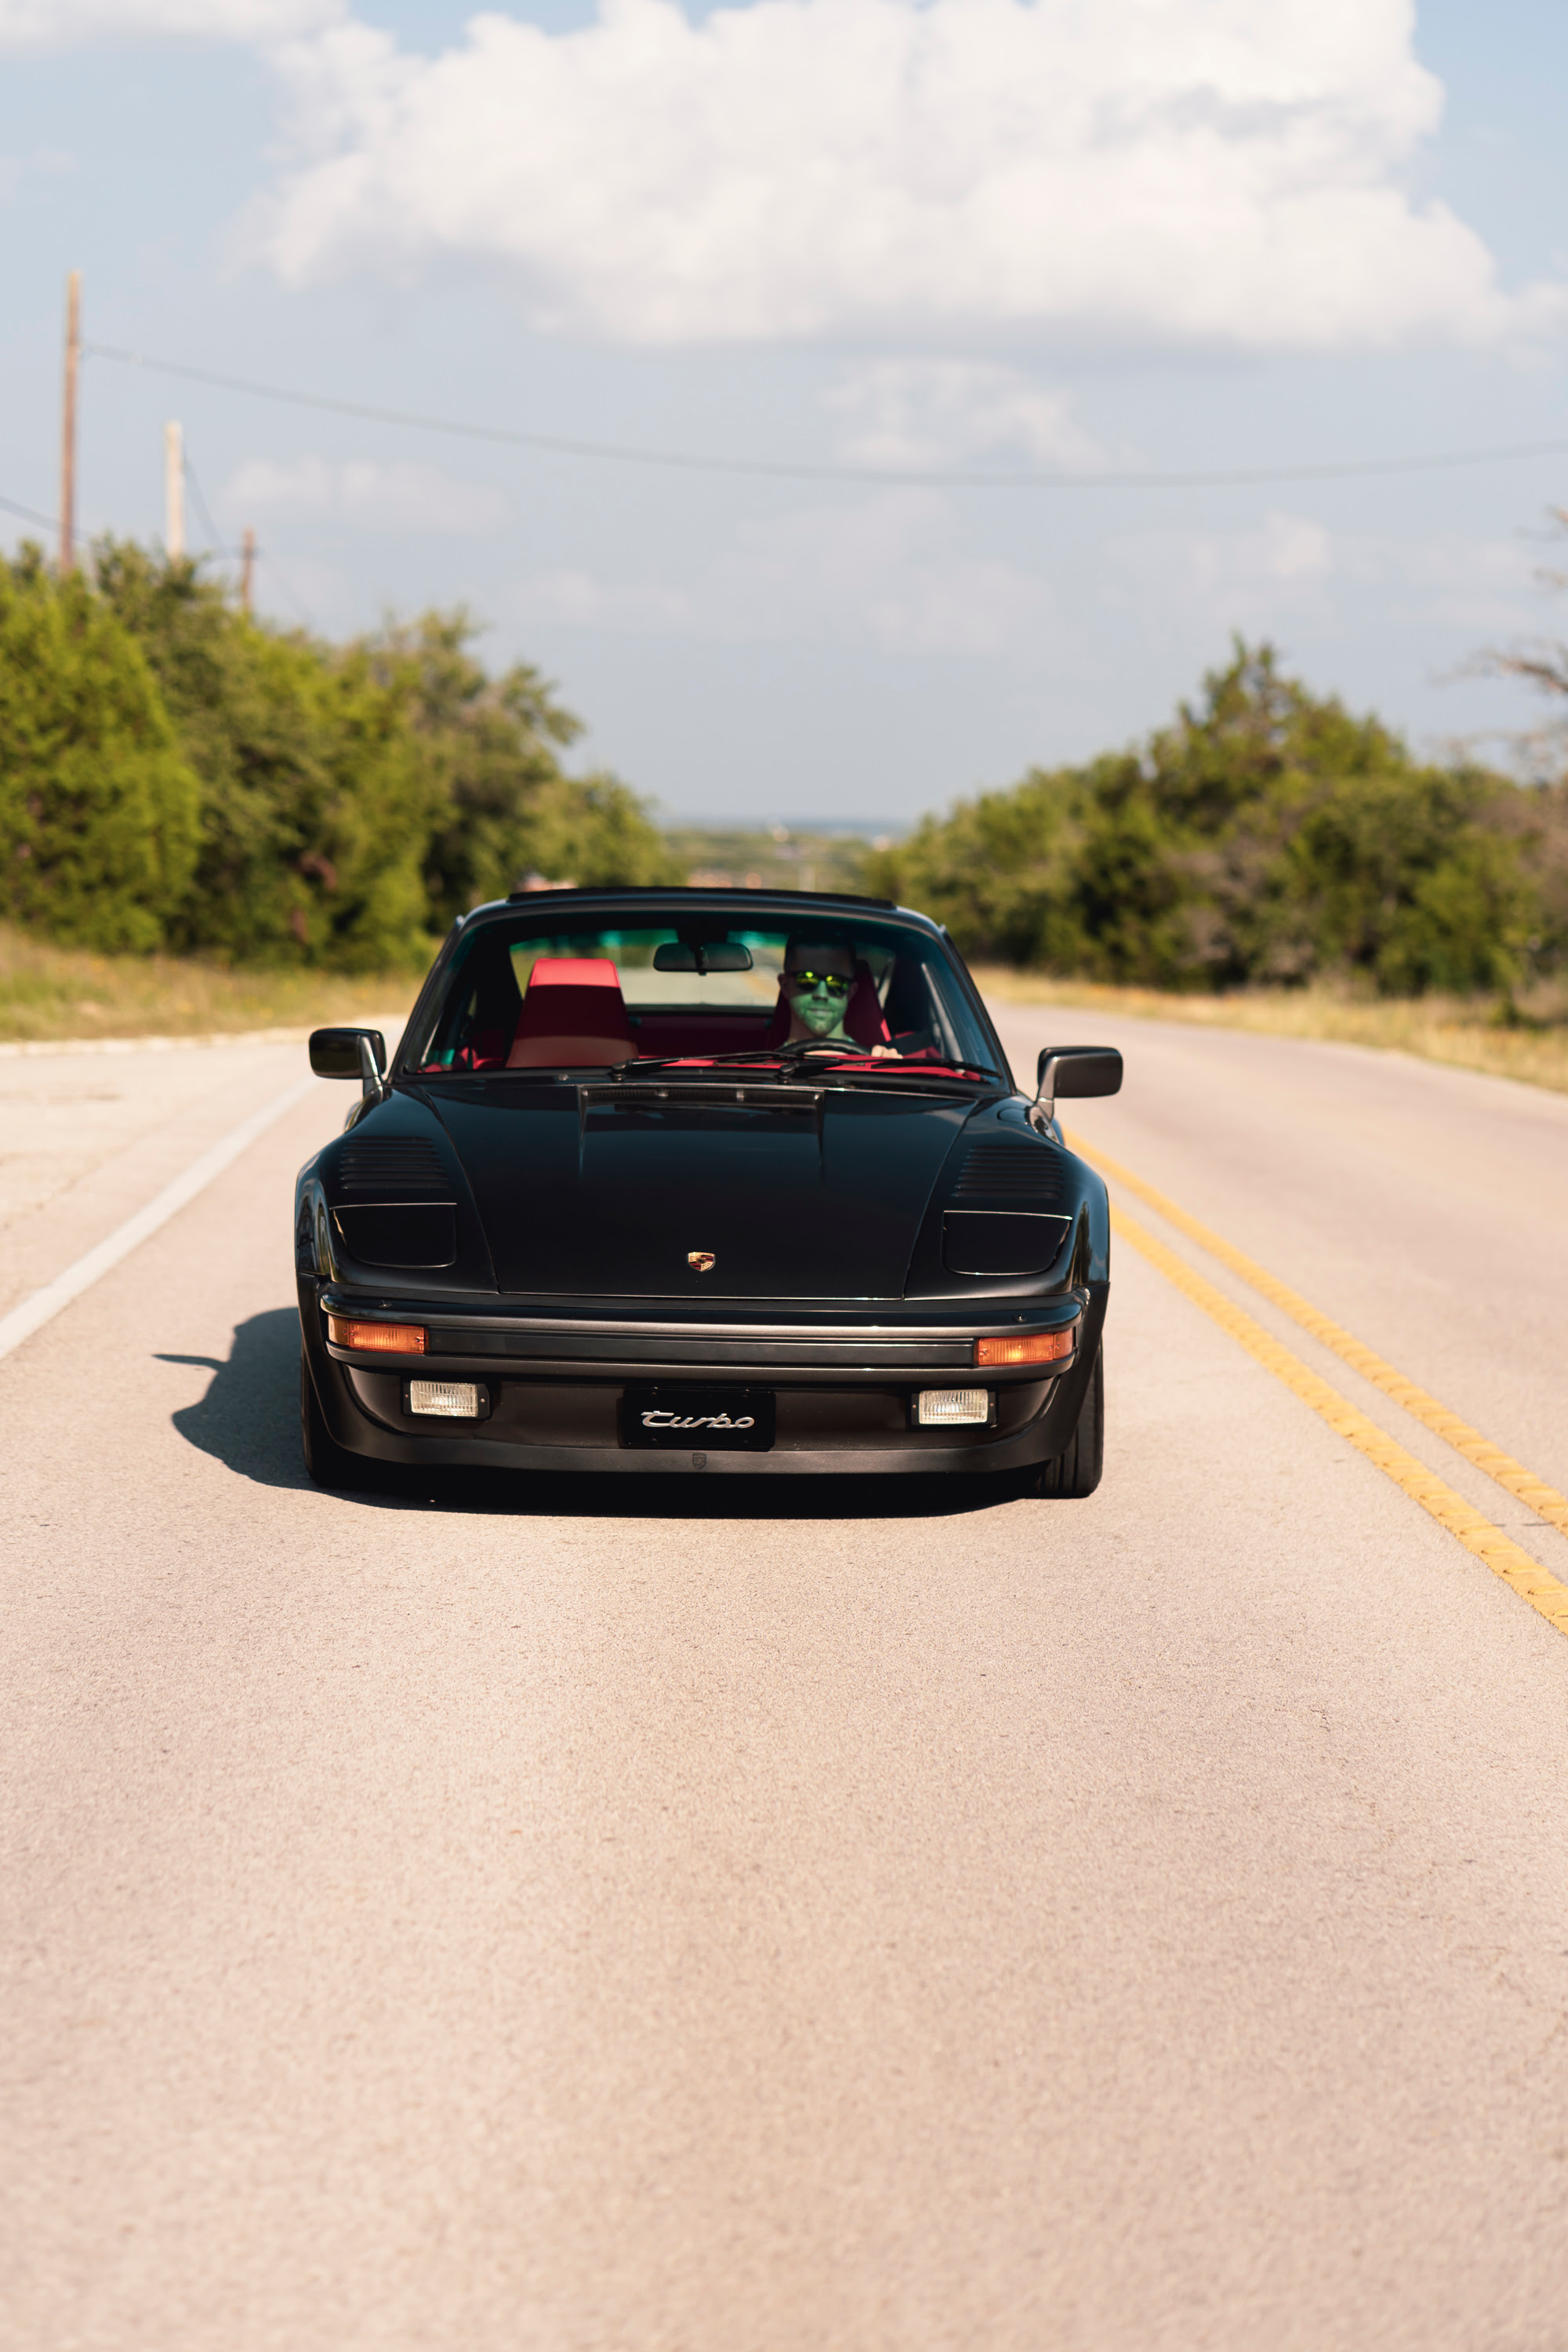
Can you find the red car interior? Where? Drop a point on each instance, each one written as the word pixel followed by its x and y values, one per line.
pixel 700 1032
pixel 573 1013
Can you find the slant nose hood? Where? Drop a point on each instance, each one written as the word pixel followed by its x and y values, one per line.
pixel 609 1192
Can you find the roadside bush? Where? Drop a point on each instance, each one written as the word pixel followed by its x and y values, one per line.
pixel 100 812
pixel 1266 835
pixel 317 804
pixel 506 806
pixel 174 773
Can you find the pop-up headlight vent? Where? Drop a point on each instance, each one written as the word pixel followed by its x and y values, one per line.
pixel 378 1167
pixel 1010 1172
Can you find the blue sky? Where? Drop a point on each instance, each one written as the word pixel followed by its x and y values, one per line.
pixel 1049 241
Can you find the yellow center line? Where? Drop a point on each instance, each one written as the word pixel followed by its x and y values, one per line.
pixel 1501 1554
pixel 1543 1500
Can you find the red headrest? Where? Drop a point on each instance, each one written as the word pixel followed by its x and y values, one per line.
pixel 574 1012
pixel 574 971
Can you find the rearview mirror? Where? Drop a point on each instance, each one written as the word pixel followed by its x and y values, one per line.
pixel 335 1053
pixel 711 955
pixel 1076 1070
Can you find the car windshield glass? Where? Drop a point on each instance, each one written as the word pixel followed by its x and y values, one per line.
pixel 526 992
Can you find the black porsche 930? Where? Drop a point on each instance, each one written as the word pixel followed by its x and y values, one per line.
pixel 731 1180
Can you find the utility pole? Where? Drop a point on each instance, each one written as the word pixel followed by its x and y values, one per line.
pixel 174 493
pixel 247 570
pixel 67 422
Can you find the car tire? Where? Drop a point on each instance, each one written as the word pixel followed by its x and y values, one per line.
pixel 327 1463
pixel 1077 1472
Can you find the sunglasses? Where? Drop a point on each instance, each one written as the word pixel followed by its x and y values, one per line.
pixel 830 981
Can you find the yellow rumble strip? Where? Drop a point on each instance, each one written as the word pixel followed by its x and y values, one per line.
pixel 1543 1500
pixel 1501 1553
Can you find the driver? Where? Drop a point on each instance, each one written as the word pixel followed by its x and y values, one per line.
pixel 817 981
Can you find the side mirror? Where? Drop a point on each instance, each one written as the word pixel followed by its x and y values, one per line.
pixel 1076 1070
pixel 351 1054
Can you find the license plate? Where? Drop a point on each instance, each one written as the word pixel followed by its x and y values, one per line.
pixel 699 1421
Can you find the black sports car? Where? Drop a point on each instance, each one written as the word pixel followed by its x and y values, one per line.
pixel 701 1180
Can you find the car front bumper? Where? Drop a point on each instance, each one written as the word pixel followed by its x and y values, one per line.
pixel 843 1382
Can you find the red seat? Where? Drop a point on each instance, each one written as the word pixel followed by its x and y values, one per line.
pixel 573 1012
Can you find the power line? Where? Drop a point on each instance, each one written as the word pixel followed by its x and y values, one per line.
pixel 214 543
pixel 31 514
pixel 687 461
pixel 288 591
pixel 51 522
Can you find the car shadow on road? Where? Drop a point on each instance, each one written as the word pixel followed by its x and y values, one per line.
pixel 250 1417
pixel 249 1420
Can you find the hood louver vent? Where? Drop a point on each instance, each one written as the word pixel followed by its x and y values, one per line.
pixel 1010 1174
pixel 382 1167
pixel 706 1098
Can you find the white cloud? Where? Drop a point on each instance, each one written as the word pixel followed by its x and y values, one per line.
pixel 1108 172
pixel 890 572
pixel 45 162
pixel 1285 551
pixel 1200 585
pixel 922 413
pixel 896 573
pixel 1474 584
pixel 1292 573
pixel 400 497
pixel 42 24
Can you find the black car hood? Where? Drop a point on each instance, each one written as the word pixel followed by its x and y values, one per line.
pixel 611 1191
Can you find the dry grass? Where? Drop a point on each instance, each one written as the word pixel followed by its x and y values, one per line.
pixel 1459 1030
pixel 48 993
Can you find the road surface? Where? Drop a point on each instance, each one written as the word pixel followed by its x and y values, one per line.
pixel 764 1921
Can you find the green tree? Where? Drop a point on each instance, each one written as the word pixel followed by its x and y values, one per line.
pixel 354 798
pixel 99 811
pixel 1266 835
pixel 491 745
pixel 317 801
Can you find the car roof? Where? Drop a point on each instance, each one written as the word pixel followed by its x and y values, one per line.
pixel 650 895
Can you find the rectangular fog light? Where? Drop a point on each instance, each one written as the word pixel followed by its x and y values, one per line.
pixel 446 1399
pixel 933 1406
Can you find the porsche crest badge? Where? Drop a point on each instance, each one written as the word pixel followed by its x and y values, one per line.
pixel 700 1261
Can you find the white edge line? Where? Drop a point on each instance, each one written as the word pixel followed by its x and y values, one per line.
pixel 42 1306
pixel 391 1023
pixel 13 1047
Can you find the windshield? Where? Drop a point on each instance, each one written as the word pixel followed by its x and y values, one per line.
pixel 528 992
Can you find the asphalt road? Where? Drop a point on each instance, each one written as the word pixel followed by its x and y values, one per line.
pixel 737 1922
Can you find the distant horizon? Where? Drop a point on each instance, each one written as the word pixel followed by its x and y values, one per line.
pixel 830 828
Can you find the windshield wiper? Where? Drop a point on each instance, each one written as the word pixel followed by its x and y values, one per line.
pixel 640 1064
pixel 876 1066
pixel 799 1051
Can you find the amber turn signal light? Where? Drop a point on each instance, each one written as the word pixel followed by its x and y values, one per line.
pixel 1028 1348
pixel 383 1338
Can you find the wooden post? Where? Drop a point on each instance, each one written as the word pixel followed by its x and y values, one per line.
pixel 174 493
pixel 68 422
pixel 247 570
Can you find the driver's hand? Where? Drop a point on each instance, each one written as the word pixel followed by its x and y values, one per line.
pixel 886 1054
